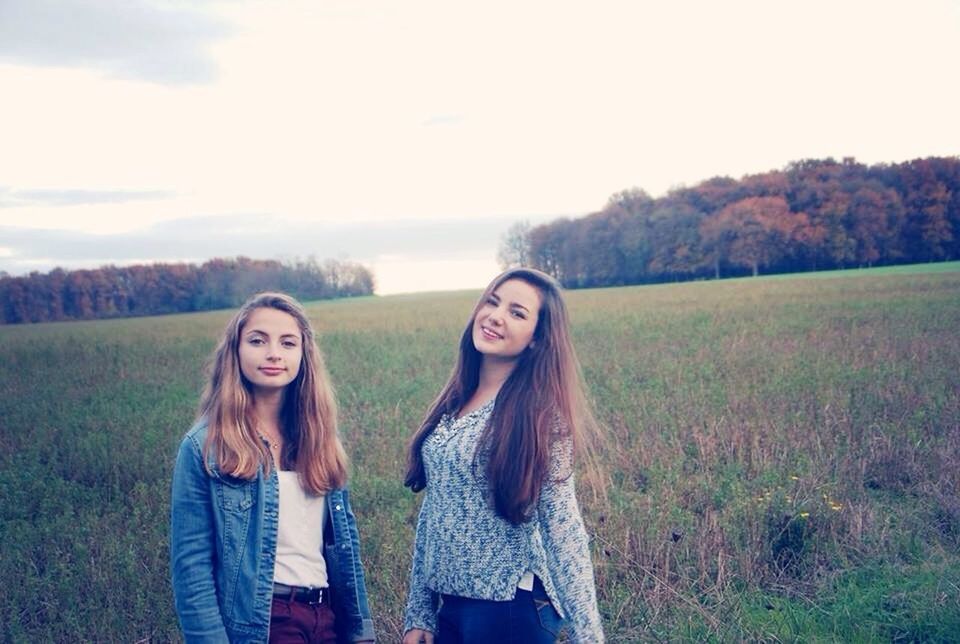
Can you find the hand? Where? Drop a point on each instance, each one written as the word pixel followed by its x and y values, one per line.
pixel 416 636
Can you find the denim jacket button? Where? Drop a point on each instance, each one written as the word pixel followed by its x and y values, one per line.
pixel 338 507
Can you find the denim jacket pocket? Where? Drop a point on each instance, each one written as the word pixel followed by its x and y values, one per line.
pixel 236 499
pixel 236 495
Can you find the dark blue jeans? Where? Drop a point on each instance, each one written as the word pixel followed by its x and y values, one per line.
pixel 528 618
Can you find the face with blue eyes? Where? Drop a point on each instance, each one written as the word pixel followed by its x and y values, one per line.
pixel 271 349
pixel 506 321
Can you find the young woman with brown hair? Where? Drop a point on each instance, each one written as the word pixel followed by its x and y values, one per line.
pixel 263 542
pixel 501 553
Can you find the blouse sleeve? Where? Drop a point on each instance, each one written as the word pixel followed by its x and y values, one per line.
pixel 567 546
pixel 421 609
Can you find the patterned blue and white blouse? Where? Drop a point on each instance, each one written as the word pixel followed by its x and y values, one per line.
pixel 464 548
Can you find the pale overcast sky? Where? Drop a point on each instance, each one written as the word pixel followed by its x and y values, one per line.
pixel 410 135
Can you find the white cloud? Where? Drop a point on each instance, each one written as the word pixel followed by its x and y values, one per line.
pixel 406 256
pixel 152 40
pixel 340 112
pixel 397 274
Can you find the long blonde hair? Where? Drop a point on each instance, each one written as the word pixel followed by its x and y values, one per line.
pixel 308 418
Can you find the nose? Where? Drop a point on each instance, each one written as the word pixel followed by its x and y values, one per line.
pixel 273 355
pixel 496 316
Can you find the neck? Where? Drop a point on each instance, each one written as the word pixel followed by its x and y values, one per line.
pixel 493 373
pixel 266 409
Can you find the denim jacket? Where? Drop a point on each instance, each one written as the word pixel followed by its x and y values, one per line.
pixel 223 542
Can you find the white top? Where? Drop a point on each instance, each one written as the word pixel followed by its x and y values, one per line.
pixel 300 535
pixel 526 582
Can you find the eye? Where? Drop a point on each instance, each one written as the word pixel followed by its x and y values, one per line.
pixel 519 314
pixel 290 344
pixel 255 341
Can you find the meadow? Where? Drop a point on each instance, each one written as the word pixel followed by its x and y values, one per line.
pixel 782 457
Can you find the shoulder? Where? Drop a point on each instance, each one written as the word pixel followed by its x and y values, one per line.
pixel 191 445
pixel 562 450
pixel 189 468
pixel 559 424
pixel 196 436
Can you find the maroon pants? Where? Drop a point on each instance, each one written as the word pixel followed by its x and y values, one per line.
pixel 292 621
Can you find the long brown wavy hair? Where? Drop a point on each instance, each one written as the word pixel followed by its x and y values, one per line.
pixel 542 401
pixel 308 418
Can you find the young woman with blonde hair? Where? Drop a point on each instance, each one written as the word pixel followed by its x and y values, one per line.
pixel 501 553
pixel 264 545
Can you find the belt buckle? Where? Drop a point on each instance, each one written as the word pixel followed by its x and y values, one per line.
pixel 287 593
pixel 319 597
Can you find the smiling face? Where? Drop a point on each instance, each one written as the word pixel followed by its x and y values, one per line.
pixel 506 321
pixel 271 349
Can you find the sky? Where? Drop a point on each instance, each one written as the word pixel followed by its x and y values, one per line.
pixel 409 136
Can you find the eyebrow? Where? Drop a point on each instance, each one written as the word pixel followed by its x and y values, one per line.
pixel 515 305
pixel 283 335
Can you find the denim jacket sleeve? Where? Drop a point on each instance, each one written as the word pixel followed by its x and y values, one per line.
pixel 359 594
pixel 192 548
pixel 568 548
pixel 421 611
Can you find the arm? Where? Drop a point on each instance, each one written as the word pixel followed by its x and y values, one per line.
pixel 193 548
pixel 360 589
pixel 567 546
pixel 421 612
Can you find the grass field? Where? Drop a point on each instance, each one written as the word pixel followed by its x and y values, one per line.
pixel 783 458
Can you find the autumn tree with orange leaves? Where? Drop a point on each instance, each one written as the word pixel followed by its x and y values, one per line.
pixel 814 214
pixel 152 289
pixel 754 232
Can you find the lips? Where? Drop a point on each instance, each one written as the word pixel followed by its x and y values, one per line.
pixel 272 371
pixel 490 335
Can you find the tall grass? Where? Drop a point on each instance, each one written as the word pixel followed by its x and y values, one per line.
pixel 783 462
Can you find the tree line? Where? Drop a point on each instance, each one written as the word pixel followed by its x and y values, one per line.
pixel 154 289
pixel 812 215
